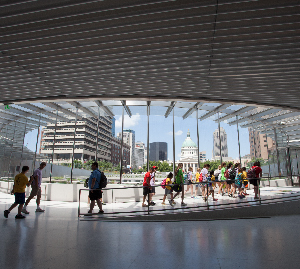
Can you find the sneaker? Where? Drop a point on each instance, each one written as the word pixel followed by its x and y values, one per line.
pixel 241 196
pixel 152 203
pixel 174 203
pixel 6 212
pixel 256 198
pixel 20 216
pixel 230 195
pixel 100 212
pixel 192 197
pixel 39 210
pixel 183 204
pixel 144 205
pixel 215 199
pixel 25 211
pixel 103 203
pixel 163 203
pixel 171 204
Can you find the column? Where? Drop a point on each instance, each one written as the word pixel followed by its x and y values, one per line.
pixel 36 145
pixel 148 128
pixel 53 146
pixel 219 126
pixel 198 142
pixel 174 142
pixel 277 152
pixel 21 159
pixel 12 148
pixel 74 144
pixel 238 133
pixel 97 133
pixel 268 154
pixel 121 161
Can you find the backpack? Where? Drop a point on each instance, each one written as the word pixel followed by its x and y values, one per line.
pixel 163 184
pixel 226 174
pixel 238 179
pixel 232 174
pixel 251 173
pixel 200 177
pixel 185 178
pixel 103 181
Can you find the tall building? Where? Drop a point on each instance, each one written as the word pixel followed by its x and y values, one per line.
pixel 129 139
pixel 202 155
pixel 113 127
pixel 116 152
pixel 140 153
pixel 158 151
pixel 260 144
pixel 216 146
pixel 85 140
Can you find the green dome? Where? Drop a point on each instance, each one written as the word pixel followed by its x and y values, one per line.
pixel 188 142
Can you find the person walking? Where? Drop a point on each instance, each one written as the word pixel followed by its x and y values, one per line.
pixel 190 182
pixel 204 173
pixel 20 183
pixel 179 186
pixel 222 179
pixel 168 190
pixel 95 192
pixel 36 189
pixel 147 187
pixel 152 183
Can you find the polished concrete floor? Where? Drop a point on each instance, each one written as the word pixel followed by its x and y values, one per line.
pixel 58 239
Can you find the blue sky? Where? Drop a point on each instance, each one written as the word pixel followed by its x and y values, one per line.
pixel 161 131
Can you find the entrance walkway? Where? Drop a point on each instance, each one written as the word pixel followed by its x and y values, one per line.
pixel 57 239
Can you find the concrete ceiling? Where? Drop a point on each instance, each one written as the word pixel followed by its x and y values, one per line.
pixel 245 52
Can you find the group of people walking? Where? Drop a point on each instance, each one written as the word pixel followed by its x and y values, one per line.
pixel 230 179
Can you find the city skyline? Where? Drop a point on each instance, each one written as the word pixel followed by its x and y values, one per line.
pixel 161 130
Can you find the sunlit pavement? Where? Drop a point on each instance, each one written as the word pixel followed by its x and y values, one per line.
pixel 57 239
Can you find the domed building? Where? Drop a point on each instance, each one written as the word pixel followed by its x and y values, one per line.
pixel 189 151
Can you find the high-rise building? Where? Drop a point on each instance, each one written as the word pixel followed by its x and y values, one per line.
pixel 129 139
pixel 202 156
pixel 216 146
pixel 140 153
pixel 85 140
pixel 113 127
pixel 158 151
pixel 260 144
pixel 116 152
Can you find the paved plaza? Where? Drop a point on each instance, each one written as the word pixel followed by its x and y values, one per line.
pixel 58 239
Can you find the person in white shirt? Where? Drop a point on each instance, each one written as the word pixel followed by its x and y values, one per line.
pixel 152 183
pixel 204 173
pixel 190 182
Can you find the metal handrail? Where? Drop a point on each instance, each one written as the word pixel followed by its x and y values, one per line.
pixel 186 207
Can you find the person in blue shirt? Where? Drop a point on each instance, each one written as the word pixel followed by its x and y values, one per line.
pixel 95 193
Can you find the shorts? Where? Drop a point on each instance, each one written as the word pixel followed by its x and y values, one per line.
pixel 168 191
pixel 189 182
pixel 229 182
pixel 95 195
pixel 254 182
pixel 245 182
pixel 20 198
pixel 177 188
pixel 152 190
pixel 35 190
pixel 146 190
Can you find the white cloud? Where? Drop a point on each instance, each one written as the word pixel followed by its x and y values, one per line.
pixel 178 133
pixel 128 122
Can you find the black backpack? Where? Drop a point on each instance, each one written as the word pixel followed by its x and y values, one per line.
pixel 103 181
pixel 232 174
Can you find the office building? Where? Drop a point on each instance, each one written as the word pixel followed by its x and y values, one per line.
pixel 260 145
pixel 216 145
pixel 85 140
pixel 158 151
pixel 129 139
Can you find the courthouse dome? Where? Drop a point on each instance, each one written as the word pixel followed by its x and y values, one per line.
pixel 188 142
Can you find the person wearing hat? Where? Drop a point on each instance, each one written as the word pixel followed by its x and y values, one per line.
pixel 152 183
